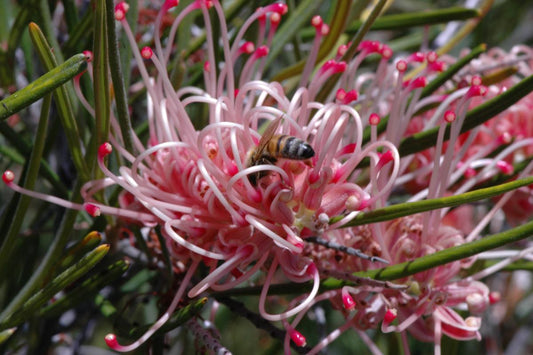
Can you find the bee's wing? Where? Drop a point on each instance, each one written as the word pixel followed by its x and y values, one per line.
pixel 267 136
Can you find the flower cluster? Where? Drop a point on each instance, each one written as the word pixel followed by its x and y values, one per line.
pixel 227 196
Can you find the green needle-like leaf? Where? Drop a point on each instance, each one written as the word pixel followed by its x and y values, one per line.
pixel 42 296
pixel 42 86
pixel 452 254
pixel 63 103
pixel 409 208
pixel 88 287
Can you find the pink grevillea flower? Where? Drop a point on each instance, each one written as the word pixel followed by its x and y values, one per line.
pixel 198 185
pixel 427 307
pixel 509 133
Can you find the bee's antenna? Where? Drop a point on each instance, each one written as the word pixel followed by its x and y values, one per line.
pixel 345 249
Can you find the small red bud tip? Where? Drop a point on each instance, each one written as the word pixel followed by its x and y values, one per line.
pixel 111 341
pixel 247 48
pixel 317 22
pixel 8 176
pixel 476 80
pixel 348 301
pixel 494 297
pixel 419 82
pixel 401 66
pixel 476 90
pixel 340 67
pixel 169 4
pixel 370 46
pixel 505 167
pixel 261 52
pixel 279 8
pixel 120 10
pixel 207 66
pixel 390 315
pixel 470 172
pixel 374 119
pixel 432 57
pixel 92 210
pixel 417 57
pixel 147 52
pixel 88 55
pixel 386 52
pixel 235 92
pixel 342 49
pixel 341 94
pixel 324 30
pixel 449 116
pixel 104 150
pixel 298 338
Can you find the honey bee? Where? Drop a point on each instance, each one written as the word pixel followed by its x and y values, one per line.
pixel 272 147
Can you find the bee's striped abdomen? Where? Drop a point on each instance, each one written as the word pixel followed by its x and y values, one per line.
pixel 290 147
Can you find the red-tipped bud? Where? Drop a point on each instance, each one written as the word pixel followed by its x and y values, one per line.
pixel 104 150
pixel 317 22
pixel 297 338
pixel 418 57
pixel 120 10
pixel 235 92
pixel 275 19
pixel 88 55
pixel 437 66
pixel 401 66
pixel 261 52
pixel 470 172
pixel 169 4
pixel 419 82
pixel 92 210
pixel 374 119
pixel 111 341
pixel 8 176
pixel 278 7
pixel 207 66
pixel 476 80
pixel 370 46
pixel 505 138
pixel 449 116
pixel 494 297
pixel 390 316
pixel 342 49
pixel 505 167
pixel 432 57
pixel 476 90
pixel 346 97
pixel 247 48
pixel 386 51
pixel 348 301
pixel 340 67
pixel 147 52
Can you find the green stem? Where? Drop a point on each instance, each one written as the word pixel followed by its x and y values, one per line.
pixel 451 254
pixel 118 80
pixel 409 208
pixel 42 86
